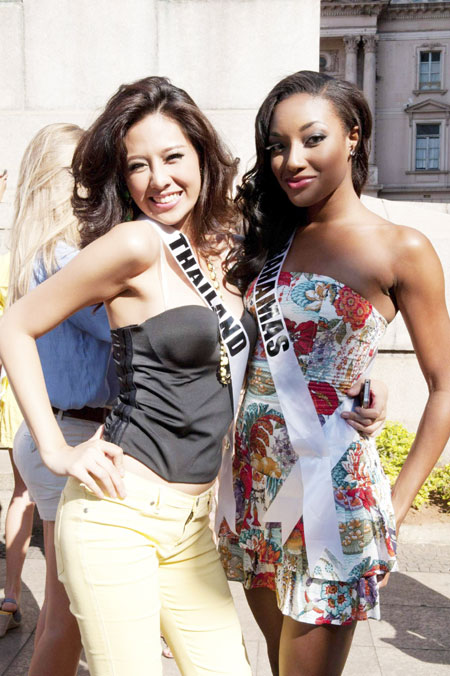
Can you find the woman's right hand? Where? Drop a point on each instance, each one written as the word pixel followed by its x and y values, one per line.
pixel 95 463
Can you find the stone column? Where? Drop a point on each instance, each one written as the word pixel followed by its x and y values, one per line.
pixel 351 49
pixel 369 81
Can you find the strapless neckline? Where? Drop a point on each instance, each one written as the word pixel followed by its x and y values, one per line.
pixel 192 308
pixel 341 284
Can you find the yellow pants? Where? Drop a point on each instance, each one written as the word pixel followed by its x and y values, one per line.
pixel 146 564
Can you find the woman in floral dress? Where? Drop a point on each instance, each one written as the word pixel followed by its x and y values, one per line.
pixel 344 274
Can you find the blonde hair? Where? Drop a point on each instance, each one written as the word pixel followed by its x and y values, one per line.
pixel 43 213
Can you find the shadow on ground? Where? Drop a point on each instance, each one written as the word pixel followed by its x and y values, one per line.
pixel 415 618
pixel 16 646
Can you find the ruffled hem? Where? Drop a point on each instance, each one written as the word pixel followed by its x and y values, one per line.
pixel 304 598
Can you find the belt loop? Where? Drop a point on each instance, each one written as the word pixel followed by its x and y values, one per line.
pixel 60 414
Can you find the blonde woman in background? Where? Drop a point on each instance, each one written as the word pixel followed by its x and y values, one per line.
pixel 19 517
pixel 3 180
pixel 75 358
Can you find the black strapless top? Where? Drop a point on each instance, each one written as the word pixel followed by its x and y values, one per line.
pixel 172 412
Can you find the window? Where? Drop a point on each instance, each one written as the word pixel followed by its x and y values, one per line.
pixel 428 147
pixel 329 61
pixel 430 70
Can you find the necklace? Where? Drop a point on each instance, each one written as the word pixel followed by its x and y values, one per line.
pixel 223 372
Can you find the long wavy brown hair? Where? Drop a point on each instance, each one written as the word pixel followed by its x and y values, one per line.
pixel 100 198
pixel 268 216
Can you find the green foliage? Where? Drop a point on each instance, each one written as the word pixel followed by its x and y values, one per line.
pixel 393 446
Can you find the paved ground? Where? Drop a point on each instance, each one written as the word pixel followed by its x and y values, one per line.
pixel 413 638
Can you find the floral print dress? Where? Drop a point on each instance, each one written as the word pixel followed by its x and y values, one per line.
pixel 335 333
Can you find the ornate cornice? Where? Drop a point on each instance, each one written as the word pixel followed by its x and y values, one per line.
pixel 360 7
pixel 418 10
pixel 428 106
pixel 404 10
pixel 429 109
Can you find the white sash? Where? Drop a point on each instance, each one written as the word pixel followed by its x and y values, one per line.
pixel 233 336
pixel 308 489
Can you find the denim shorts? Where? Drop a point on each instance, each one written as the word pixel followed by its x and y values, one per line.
pixel 44 487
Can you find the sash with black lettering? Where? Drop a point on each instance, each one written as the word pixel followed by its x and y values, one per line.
pixel 308 489
pixel 233 336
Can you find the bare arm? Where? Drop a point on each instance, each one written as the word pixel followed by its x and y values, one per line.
pixel 100 272
pixel 421 300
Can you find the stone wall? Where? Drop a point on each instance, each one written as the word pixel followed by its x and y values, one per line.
pixel 61 60
pixel 396 362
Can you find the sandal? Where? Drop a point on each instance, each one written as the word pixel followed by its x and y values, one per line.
pixel 166 651
pixel 9 619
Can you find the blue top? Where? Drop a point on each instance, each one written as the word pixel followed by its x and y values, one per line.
pixel 76 355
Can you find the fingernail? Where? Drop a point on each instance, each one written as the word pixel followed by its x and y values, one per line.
pixel 345 414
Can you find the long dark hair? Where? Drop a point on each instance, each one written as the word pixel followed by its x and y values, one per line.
pixel 100 198
pixel 268 216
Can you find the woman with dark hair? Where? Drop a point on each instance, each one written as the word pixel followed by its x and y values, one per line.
pixel 133 543
pixel 152 164
pixel 316 524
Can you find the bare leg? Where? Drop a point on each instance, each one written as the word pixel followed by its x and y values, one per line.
pixel 40 623
pixel 18 527
pixel 314 650
pixel 57 649
pixel 263 604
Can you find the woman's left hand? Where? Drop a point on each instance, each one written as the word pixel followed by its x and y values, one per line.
pixel 368 420
pixel 383 580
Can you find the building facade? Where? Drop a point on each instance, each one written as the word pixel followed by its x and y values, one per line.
pixel 398 52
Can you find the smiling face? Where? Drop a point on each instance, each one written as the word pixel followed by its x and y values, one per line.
pixel 309 149
pixel 163 170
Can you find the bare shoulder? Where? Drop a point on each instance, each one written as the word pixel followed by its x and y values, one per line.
pixel 397 252
pixel 409 243
pixel 414 261
pixel 135 240
pixel 124 252
pixel 401 240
